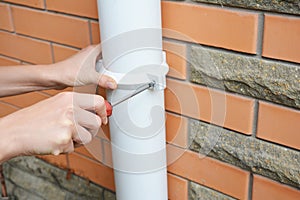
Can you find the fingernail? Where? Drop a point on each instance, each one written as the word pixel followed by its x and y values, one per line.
pixel 105 121
pixel 111 85
pixel 56 152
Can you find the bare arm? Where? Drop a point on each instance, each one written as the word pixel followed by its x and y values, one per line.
pixel 53 126
pixel 21 79
pixel 77 70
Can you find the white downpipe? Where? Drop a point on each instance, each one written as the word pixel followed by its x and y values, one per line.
pixel 132 46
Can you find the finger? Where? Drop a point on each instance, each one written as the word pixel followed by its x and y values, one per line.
pixel 93 103
pixel 106 81
pixel 100 79
pixel 93 50
pixel 81 135
pixel 88 120
pixel 66 148
pixel 69 147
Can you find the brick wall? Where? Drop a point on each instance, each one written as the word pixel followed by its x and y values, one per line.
pixel 238 57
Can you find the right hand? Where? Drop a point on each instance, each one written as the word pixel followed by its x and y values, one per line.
pixel 52 126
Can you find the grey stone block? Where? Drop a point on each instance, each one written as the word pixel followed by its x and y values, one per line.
pixel 109 195
pixel 34 184
pixel 198 192
pixel 71 196
pixel 268 80
pixel 43 179
pixel 283 6
pixel 260 157
pixel 18 193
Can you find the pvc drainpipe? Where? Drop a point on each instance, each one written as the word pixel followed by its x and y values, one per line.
pixel 131 38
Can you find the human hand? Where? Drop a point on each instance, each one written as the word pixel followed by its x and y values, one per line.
pixel 52 126
pixel 79 70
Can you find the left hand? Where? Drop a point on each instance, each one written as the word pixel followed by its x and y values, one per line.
pixel 79 70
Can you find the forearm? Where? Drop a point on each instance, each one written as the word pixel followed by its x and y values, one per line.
pixel 78 70
pixel 21 79
pixel 8 142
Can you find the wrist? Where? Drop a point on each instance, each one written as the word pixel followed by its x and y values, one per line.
pixel 8 142
pixel 52 77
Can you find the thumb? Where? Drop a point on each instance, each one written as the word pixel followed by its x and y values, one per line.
pixel 94 50
pixel 107 82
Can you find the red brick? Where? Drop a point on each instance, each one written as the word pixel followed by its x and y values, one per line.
pixel 55 27
pixel 29 50
pixel 88 89
pixel 95 32
pixel 92 150
pixel 59 161
pixel 92 170
pixel 44 93
pixel 5 18
pixel 5 61
pixel 62 52
pixel 101 91
pixel 177 188
pixel 25 100
pixel 281 38
pixel 104 132
pixel 176 58
pixel 6 109
pixel 107 153
pixel 224 109
pixel 212 173
pixel 83 151
pixel 176 130
pixel 85 8
pixel 279 124
pixel 30 3
pixel 266 189
pixel 54 92
pixel 218 27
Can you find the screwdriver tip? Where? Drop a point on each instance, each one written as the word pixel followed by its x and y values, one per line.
pixel 152 84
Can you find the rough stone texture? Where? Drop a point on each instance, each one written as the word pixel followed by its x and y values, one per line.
pixel 270 160
pixel 31 183
pixel 283 6
pixel 32 178
pixel 18 193
pixel 198 192
pixel 109 195
pixel 273 81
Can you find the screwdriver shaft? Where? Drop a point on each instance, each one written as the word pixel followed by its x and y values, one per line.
pixel 137 91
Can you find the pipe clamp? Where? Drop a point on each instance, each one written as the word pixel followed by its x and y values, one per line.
pixel 140 76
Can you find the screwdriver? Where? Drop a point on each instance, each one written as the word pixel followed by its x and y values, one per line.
pixel 109 105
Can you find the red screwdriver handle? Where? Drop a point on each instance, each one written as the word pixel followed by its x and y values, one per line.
pixel 109 108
